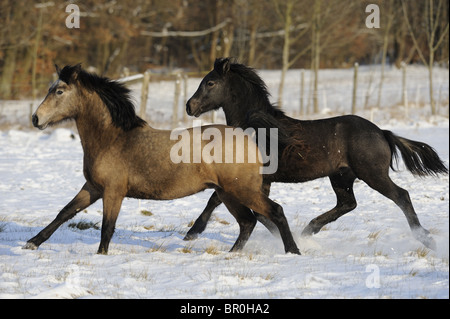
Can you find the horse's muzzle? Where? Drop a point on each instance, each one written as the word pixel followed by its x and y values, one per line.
pixel 190 105
pixel 35 120
pixel 188 108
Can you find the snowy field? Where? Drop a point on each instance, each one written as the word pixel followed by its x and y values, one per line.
pixel 368 253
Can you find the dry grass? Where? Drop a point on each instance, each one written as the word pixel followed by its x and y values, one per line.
pixel 212 250
pixel 83 225
pixel 146 212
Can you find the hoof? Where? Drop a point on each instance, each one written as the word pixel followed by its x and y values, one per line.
pixel 190 237
pixel 425 238
pixel 30 246
pixel 293 251
pixel 102 251
pixel 308 231
pixel 428 242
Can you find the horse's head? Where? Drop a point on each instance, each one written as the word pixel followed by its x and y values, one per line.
pixel 61 101
pixel 213 90
pixel 235 87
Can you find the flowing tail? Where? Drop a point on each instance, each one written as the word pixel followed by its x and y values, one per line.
pixel 420 158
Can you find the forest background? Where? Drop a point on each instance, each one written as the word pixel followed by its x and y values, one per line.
pixel 114 37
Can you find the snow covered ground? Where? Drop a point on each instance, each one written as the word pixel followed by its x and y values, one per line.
pixel 368 253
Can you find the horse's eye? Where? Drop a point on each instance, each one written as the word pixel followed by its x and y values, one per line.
pixel 211 83
pixel 59 92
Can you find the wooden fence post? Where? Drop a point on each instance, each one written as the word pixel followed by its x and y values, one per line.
pixel 144 95
pixel 176 100
pixel 213 116
pixel 302 87
pixel 30 114
pixel 404 92
pixel 355 87
pixel 185 82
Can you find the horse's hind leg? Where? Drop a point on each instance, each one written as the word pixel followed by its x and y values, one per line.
pixel 83 199
pixel 201 222
pixel 384 185
pixel 265 206
pixel 214 201
pixel 342 184
pixel 244 216
pixel 263 219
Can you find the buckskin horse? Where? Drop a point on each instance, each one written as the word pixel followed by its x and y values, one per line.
pixel 125 157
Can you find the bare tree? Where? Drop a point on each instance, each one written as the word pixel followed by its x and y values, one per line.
pixel 330 30
pixel 142 34
pixel 315 52
pixel 10 42
pixel 387 29
pixel 285 10
pixel 432 16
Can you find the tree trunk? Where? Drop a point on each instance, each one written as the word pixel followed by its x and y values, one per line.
pixel 228 40
pixel 215 34
pixel 316 53
pixel 430 77
pixel 252 45
pixel 385 47
pixel 35 56
pixel 286 47
pixel 8 74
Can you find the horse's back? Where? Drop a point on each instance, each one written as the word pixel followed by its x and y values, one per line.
pixel 352 141
pixel 331 144
pixel 174 164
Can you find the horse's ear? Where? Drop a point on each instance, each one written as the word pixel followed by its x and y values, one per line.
pixel 58 69
pixel 76 71
pixel 77 68
pixel 226 66
pixel 222 65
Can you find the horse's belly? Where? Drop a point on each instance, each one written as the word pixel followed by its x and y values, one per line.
pixel 164 191
pixel 303 170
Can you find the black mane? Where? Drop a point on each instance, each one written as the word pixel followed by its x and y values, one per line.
pixel 114 94
pixel 251 85
pixel 250 93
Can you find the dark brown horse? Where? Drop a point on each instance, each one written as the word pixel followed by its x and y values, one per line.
pixel 125 157
pixel 343 148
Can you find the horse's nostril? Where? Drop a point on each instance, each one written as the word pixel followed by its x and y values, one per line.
pixel 35 120
pixel 189 105
pixel 192 107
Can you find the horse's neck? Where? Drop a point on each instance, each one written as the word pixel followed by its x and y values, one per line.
pixel 234 117
pixel 236 114
pixel 95 126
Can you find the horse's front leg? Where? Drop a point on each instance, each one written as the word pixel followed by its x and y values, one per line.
pixel 86 197
pixel 112 201
pixel 201 222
